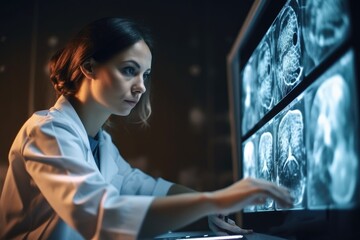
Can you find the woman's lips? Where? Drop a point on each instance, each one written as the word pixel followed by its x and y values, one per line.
pixel 131 103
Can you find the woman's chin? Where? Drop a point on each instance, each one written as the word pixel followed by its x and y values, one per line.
pixel 122 113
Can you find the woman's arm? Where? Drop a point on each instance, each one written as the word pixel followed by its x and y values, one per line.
pixel 218 223
pixel 179 189
pixel 173 212
pixel 170 213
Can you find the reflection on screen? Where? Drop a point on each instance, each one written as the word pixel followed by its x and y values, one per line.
pixel 333 156
pixel 326 25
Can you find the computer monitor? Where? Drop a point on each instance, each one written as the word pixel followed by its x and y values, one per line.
pixel 295 116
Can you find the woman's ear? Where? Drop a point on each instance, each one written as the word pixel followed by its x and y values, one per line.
pixel 87 68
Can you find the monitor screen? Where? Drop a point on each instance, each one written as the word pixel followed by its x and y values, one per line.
pixel 294 100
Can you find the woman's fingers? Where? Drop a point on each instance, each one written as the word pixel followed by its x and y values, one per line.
pixel 222 224
pixel 250 191
pixel 278 193
pixel 282 196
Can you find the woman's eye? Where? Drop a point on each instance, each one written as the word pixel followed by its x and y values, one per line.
pixel 129 71
pixel 146 76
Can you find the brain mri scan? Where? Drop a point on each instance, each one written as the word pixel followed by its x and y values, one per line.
pixel 249 99
pixel 308 142
pixel 266 91
pixel 249 167
pixel 288 51
pixel 326 24
pixel 266 163
pixel 249 159
pixel 291 166
pixel 333 156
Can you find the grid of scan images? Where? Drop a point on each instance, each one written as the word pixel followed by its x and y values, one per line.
pixel 309 146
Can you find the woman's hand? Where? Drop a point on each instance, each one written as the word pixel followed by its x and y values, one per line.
pixel 246 192
pixel 222 225
pixel 250 191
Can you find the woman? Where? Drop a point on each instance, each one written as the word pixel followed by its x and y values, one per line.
pixel 66 179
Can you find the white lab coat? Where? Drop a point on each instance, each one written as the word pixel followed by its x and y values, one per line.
pixel 54 190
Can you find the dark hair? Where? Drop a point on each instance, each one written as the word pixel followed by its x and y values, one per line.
pixel 100 40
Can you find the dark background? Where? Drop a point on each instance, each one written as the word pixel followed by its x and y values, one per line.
pixel 188 140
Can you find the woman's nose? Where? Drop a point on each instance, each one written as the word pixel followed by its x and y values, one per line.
pixel 139 85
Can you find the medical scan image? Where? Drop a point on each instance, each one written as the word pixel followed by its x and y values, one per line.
pixel 266 91
pixel 291 165
pixel 326 25
pixel 249 164
pixel 333 142
pixel 250 113
pixel 288 51
pixel 266 164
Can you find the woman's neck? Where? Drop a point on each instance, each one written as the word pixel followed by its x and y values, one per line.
pixel 91 115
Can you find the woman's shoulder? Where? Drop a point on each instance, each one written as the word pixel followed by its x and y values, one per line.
pixel 61 115
pixel 47 126
pixel 59 118
pixel 47 121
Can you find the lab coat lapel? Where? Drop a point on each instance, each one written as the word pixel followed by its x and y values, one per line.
pixel 65 107
pixel 108 166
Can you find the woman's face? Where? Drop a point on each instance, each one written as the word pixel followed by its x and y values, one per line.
pixel 119 83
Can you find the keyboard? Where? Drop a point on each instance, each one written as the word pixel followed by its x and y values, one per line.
pixel 196 236
pixel 206 235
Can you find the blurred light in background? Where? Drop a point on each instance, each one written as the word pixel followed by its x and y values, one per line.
pixel 53 41
pixel 2 68
pixel 197 118
pixel 195 70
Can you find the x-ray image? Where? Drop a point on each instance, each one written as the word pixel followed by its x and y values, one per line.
pixel 288 51
pixel 265 162
pixel 291 158
pixel 333 141
pixel 249 163
pixel 249 159
pixel 311 144
pixel 259 92
pixel 266 82
pixel 249 96
pixel 326 25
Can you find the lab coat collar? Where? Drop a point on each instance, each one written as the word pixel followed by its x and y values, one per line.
pixel 108 167
pixel 65 107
